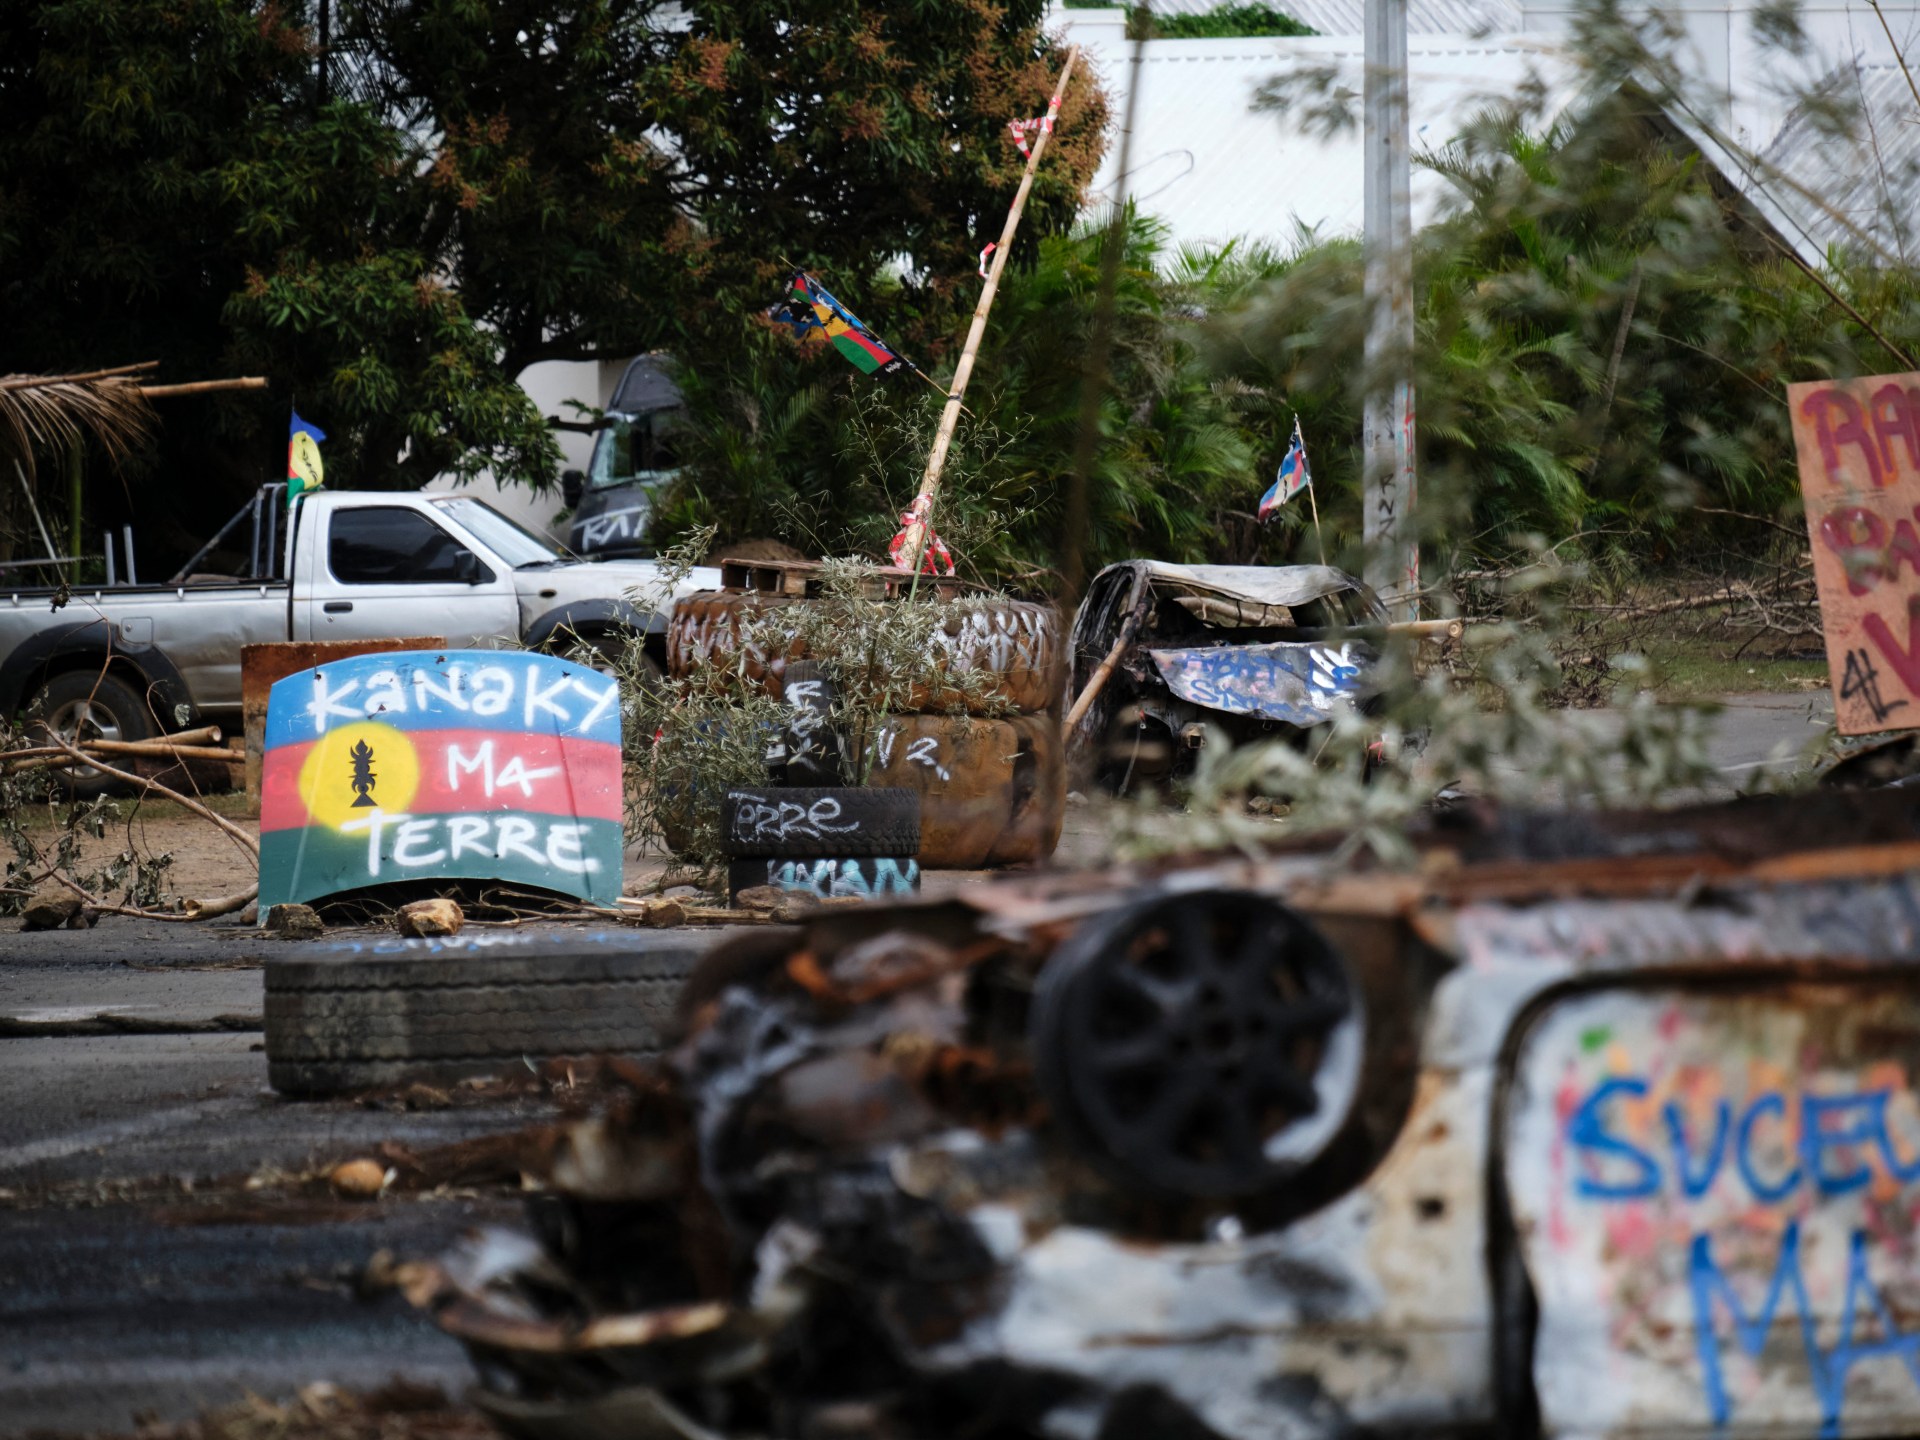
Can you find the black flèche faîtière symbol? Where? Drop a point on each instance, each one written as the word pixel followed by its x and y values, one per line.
pixel 363 776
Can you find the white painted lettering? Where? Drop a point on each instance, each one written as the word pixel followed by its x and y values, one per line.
pixel 492 690
pixel 374 824
pixel 326 705
pixel 480 763
pixel 515 772
pixel 512 837
pixel 409 834
pixel 468 833
pixel 384 695
pixel 563 850
pixel 426 687
pixel 603 698
pixel 538 699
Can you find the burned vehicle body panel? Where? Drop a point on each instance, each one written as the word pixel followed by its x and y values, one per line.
pixel 1632 1150
pixel 1253 650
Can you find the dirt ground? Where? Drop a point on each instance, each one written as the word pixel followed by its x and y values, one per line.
pixel 208 862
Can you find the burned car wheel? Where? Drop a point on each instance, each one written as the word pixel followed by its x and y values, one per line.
pixel 1206 1044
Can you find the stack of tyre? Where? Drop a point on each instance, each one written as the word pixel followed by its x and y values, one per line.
pixel 982 758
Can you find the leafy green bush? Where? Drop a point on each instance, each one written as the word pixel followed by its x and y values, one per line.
pixel 1220 23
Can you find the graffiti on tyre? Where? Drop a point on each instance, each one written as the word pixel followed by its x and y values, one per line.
pixel 765 818
pixel 836 879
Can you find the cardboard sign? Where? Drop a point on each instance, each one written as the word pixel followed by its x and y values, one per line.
pixel 1859 445
pixel 431 765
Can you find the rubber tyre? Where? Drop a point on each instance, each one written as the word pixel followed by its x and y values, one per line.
pixel 355 1016
pixel 827 878
pixel 991 791
pixel 124 706
pixel 1013 642
pixel 775 823
pixel 813 749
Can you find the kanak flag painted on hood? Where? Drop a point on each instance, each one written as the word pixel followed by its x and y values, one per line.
pixel 433 765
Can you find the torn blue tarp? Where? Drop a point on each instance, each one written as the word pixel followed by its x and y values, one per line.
pixel 1295 683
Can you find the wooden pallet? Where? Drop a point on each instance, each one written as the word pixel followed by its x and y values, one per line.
pixel 804 578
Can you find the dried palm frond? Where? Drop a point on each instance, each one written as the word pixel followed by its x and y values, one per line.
pixel 58 411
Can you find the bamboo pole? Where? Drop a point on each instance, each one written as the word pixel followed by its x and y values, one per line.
pixel 39 755
pixel 251 845
pixel 922 510
pixel 204 387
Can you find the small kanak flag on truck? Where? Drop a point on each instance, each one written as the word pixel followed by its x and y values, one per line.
pixel 304 470
pixel 1293 477
pixel 808 306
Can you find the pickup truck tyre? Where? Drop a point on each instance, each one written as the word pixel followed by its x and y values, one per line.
pixel 1010 642
pixel 359 1016
pixel 91 706
pixel 612 650
pixel 826 822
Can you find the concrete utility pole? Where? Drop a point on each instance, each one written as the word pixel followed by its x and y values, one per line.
pixel 1392 553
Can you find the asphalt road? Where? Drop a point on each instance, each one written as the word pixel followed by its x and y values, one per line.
pixel 135 1080
pixel 138 1273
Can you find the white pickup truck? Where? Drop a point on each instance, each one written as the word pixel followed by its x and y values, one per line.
pixel 343 566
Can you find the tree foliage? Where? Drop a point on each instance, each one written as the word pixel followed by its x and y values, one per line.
pixel 793 443
pixel 392 225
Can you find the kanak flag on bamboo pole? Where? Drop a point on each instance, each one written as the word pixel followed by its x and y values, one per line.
pixel 1293 477
pixel 808 306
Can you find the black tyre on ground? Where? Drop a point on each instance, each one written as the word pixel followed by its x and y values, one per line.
pixel 819 821
pixel 350 1017
pixel 86 705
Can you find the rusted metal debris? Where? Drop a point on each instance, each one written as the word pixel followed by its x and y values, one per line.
pixel 1598 1125
pixel 1160 650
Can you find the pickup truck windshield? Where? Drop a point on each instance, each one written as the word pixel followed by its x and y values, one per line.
pixel 512 542
pixel 636 449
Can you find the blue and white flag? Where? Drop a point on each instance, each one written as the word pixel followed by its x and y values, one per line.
pixel 1293 477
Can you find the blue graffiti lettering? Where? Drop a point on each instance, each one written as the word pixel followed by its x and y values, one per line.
pixel 1836 1134
pixel 1816 1140
pixel 838 879
pixel 1828 1369
pixel 1766 1194
pixel 1587 1131
pixel 1693 1184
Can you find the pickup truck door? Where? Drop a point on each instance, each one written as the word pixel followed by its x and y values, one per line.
pixel 380 570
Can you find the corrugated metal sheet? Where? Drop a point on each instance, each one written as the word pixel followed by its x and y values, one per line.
pixel 1216 169
pixel 1867 183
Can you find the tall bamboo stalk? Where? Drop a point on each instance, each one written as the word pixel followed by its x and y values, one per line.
pixel 922 511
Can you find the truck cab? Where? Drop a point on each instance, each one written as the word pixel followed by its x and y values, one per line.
pixel 635 455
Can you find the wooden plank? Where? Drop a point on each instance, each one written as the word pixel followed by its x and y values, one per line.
pixel 261 665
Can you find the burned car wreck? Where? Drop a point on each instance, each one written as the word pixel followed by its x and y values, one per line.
pixel 1588 1125
pixel 1162 651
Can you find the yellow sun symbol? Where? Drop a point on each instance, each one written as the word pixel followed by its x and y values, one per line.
pixel 357 769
